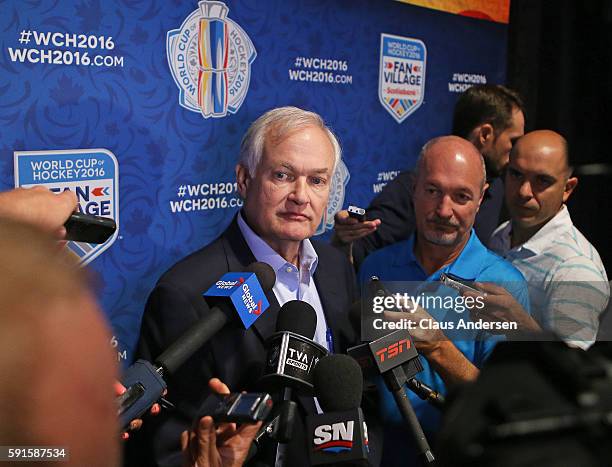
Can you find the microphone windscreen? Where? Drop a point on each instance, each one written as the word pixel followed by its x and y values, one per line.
pixel 298 317
pixel 338 383
pixel 265 274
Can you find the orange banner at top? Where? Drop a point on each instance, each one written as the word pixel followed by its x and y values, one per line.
pixel 490 10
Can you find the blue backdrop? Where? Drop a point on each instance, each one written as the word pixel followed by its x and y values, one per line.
pixel 169 87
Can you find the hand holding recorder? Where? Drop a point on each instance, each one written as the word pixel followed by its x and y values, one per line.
pixel 501 306
pixel 351 225
pixel 223 445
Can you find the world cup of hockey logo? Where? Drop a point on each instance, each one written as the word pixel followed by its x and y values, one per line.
pixel 401 78
pixel 210 59
pixel 336 197
pixel 213 73
pixel 91 174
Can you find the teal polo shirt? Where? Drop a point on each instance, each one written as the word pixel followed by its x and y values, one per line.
pixel 475 263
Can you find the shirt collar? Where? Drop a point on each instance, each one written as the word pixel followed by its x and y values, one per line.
pixel 541 239
pixel 264 252
pixel 501 239
pixel 467 265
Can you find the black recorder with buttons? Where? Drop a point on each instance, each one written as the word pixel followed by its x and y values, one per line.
pixel 89 229
pixel 242 407
pixel 357 213
pixel 459 284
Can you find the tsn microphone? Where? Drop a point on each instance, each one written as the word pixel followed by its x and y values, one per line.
pixel 339 435
pixel 395 358
pixel 234 292
pixel 395 343
pixel 292 354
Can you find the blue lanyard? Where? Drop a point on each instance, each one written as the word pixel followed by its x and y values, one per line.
pixel 330 340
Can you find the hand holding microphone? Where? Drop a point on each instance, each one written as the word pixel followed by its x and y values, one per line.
pixel 395 358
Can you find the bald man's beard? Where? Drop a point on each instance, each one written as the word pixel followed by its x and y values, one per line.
pixel 443 238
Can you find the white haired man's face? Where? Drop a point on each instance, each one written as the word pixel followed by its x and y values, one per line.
pixel 285 199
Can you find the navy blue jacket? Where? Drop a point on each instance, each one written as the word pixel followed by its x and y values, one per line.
pixel 235 355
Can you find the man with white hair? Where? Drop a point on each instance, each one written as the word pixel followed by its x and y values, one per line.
pixel 287 160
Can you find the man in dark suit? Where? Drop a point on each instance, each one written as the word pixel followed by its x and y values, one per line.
pixel 287 160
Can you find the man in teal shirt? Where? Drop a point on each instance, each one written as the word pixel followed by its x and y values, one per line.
pixel 449 185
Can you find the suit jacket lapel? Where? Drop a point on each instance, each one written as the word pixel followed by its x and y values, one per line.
pixel 239 256
pixel 325 282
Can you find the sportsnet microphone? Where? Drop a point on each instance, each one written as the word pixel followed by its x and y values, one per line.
pixel 234 292
pixel 339 435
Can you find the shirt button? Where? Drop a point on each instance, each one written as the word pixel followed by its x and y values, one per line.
pixel 289 269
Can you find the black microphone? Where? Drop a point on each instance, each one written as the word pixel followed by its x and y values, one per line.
pixel 397 361
pixel 292 354
pixel 363 355
pixel 339 435
pixel 291 357
pixel 233 295
pixel 395 358
pixel 384 354
pixel 361 314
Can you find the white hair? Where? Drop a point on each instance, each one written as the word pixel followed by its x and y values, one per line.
pixel 281 122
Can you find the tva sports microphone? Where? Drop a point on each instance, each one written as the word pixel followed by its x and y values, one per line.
pixel 291 357
pixel 339 435
pixel 235 292
pixel 292 354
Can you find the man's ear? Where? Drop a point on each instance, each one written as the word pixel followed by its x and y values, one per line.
pixel 482 193
pixel 242 180
pixel 570 185
pixel 483 135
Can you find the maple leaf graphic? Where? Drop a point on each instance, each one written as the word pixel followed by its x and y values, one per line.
pixel 66 92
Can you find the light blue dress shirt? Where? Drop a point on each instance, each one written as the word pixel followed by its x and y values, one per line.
pixel 291 283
